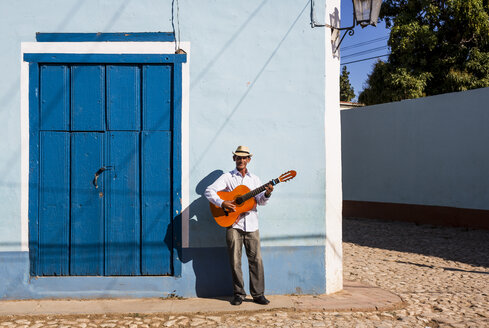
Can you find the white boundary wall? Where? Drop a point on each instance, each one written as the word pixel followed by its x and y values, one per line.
pixel 426 151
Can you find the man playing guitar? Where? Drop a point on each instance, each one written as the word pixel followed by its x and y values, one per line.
pixel 245 228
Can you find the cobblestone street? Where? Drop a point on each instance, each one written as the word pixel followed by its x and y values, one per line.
pixel 441 273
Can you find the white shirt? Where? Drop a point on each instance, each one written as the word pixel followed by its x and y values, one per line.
pixel 227 182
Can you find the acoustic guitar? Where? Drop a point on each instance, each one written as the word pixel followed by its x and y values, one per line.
pixel 244 199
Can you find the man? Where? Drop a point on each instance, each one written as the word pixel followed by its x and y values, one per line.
pixel 245 229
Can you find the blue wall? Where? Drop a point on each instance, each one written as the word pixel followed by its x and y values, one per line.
pixel 205 274
pixel 256 78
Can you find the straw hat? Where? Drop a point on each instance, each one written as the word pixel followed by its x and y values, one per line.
pixel 242 151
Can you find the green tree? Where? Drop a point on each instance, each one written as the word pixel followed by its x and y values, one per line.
pixel 437 46
pixel 347 92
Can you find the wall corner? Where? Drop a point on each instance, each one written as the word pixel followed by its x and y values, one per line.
pixel 332 127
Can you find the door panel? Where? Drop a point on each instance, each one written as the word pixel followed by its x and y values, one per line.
pixel 88 98
pixel 123 228
pixel 123 97
pixel 87 209
pixel 156 213
pixel 54 203
pixel 157 91
pixel 55 97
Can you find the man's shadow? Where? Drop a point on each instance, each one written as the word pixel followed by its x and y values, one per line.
pixel 206 244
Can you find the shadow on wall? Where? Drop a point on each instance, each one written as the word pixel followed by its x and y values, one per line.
pixel 210 264
pixel 464 245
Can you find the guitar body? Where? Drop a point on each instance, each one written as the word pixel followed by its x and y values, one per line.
pixel 226 219
pixel 243 199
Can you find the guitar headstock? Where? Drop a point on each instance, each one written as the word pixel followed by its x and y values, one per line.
pixel 287 176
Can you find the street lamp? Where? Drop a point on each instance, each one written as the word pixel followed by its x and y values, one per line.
pixel 365 12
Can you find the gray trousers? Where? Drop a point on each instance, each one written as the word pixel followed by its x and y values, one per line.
pixel 235 238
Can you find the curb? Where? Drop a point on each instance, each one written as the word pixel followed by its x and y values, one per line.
pixel 355 297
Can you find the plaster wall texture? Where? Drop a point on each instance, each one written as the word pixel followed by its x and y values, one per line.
pixel 256 77
pixel 426 151
pixel 260 83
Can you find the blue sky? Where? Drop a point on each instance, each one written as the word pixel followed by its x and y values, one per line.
pixel 365 43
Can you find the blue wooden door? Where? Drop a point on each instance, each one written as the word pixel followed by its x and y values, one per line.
pixel 105 170
pixel 87 204
pixel 123 227
pixel 54 203
pixel 156 201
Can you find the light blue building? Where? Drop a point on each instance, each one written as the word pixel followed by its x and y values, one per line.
pixel 113 130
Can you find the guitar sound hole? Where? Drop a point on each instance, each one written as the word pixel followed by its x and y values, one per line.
pixel 239 201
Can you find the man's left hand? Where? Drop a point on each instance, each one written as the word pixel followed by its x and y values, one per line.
pixel 269 189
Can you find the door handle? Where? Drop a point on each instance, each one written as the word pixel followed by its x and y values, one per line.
pixel 98 173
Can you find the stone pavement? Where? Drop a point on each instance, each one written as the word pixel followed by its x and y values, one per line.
pixel 440 273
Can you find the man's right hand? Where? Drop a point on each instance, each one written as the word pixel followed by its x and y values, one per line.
pixel 228 205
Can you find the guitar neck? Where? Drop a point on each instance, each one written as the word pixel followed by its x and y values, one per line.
pixel 258 190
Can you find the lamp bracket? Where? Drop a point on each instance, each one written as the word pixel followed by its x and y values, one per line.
pixel 349 30
pixel 314 24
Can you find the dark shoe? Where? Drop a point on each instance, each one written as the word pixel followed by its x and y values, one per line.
pixel 261 300
pixel 237 300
